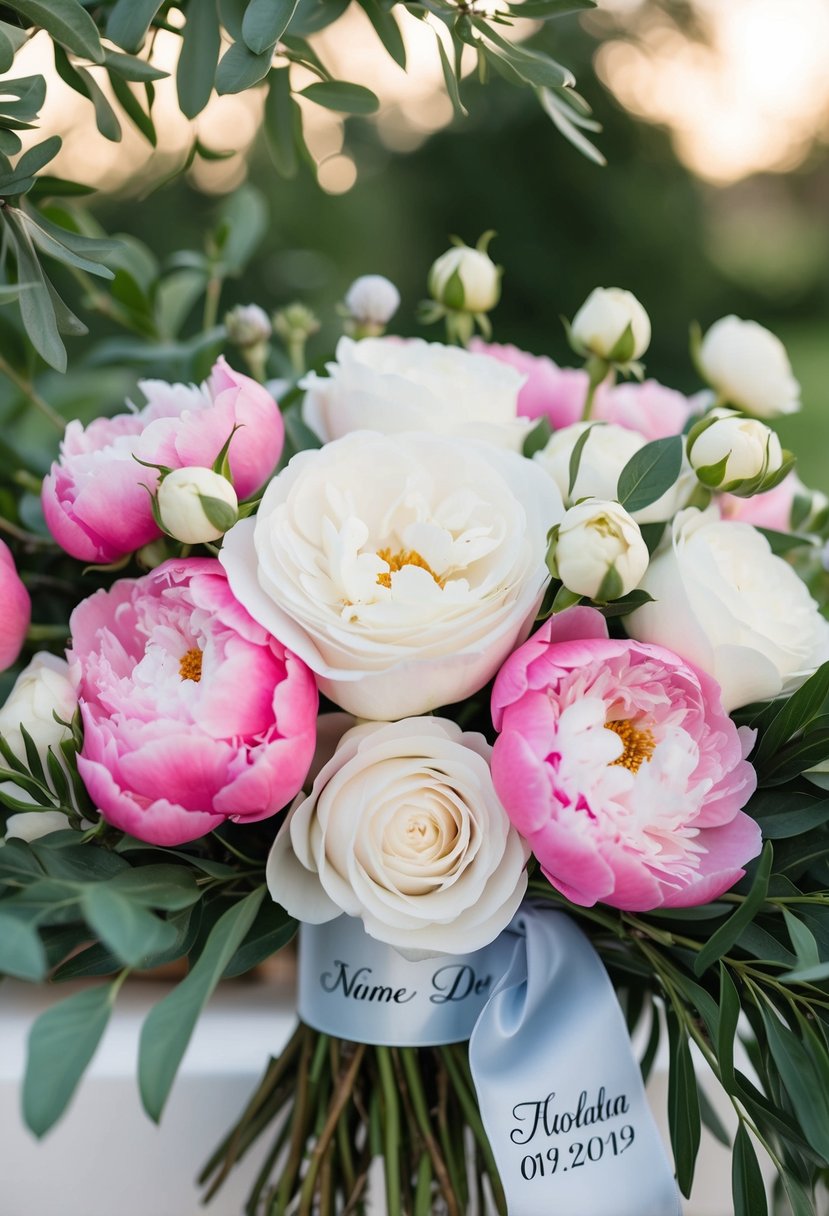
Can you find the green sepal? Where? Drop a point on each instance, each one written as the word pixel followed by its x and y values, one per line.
pixel 221 464
pixel 622 351
pixel 564 599
pixel 453 294
pixel 611 587
pixel 220 514
pixel 538 437
pixel 711 475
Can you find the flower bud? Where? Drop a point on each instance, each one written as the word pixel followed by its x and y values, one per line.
pixel 732 451
pixel 748 366
pixel 465 280
pixel 196 505
pixel 295 323
pixel 599 551
pixel 247 325
pixel 371 301
pixel 611 324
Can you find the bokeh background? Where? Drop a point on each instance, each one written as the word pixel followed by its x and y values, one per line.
pixel 714 198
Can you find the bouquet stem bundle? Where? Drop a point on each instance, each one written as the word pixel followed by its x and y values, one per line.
pixel 338 1107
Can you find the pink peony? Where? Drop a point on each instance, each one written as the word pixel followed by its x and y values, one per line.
pixel 771 510
pixel 95 498
pixel 15 609
pixel 619 765
pixel 192 712
pixel 559 394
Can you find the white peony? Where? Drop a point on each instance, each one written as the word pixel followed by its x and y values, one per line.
pixel 604 455
pixel 748 447
pixel 403 829
pixel 748 366
pixel 390 386
pixel 725 603
pixel 596 538
pixel 402 569
pixel 196 505
pixel 603 320
pixel 42 690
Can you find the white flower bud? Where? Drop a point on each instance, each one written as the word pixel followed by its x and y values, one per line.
pixel 196 505
pixel 601 323
pixel 597 537
pixel 465 279
pixel 42 689
pixel 372 300
pixel 247 325
pixel 748 447
pixel 748 366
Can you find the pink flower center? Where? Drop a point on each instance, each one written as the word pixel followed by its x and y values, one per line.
pixel 639 744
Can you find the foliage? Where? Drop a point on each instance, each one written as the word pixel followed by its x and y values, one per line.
pixel 229 46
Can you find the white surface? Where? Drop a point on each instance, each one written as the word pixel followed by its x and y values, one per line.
pixel 107 1159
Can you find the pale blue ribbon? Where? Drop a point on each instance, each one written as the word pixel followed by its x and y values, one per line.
pixel 559 1089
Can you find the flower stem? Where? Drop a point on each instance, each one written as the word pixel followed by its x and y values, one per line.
pixel 391 1131
pixel 30 392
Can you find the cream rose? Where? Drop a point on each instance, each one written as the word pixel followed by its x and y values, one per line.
pixel 749 367
pixel 723 601
pixel 404 830
pixel 386 385
pixel 402 569
pixel 605 453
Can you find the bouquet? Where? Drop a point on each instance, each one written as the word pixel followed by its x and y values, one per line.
pixel 508 685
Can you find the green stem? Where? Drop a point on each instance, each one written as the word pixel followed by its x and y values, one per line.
pixel 409 1058
pixel 469 1104
pixel 30 392
pixel 391 1131
pixel 597 370
pixel 47 633
pixel 212 298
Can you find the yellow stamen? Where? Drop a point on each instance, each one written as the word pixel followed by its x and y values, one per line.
pixel 639 744
pixel 404 557
pixel 189 667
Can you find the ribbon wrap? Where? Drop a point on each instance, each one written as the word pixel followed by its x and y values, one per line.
pixel 559 1089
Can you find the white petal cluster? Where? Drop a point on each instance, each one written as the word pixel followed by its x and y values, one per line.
pixel 402 569
pixel 603 319
pixel 748 367
pixel 403 829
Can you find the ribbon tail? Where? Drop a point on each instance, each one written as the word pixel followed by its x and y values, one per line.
pixel 560 1092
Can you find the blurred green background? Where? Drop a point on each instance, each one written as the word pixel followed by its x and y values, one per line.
pixel 695 235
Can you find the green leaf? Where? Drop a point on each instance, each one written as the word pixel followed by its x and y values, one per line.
pixel 747 1186
pixel 30 163
pixel 129 21
pixel 788 814
pixel 342 96
pixel 540 10
pixel 727 934
pixel 532 66
pixel 555 103
pixel 575 458
pixel 796 758
pixel 36 309
pixel 54 248
pixel 130 68
pixel 649 473
pixel 21 950
pixel 27 94
pixel 11 40
pixel 538 437
pixel 66 22
pixel 264 23
pixel 729 1013
pixel 272 930
pixel 167 1030
pixel 797 1072
pixel 711 1119
pixel 200 49
pixel 279 122
pixel 803 941
pixel 131 931
pixel 240 69
pixel 451 81
pixel 140 118
pixel 84 83
pixel 627 604
pixel 793 714
pixel 313 15
pixel 386 29
pixel 683 1105
pixel 800 1201
pixel 61 1044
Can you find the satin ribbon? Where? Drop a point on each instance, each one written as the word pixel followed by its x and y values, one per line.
pixel 559 1089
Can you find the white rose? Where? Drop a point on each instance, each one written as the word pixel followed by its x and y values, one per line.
pixel 604 318
pixel 748 366
pixel 595 538
pixel 196 505
pixel 477 287
pixel 402 569
pixel 385 385
pixel 403 829
pixel 604 455
pixel 42 690
pixel 372 300
pixel 724 602
pixel 747 446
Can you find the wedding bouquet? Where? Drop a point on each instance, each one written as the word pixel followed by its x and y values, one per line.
pixel 507 684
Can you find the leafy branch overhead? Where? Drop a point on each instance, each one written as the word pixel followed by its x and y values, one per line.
pixel 227 46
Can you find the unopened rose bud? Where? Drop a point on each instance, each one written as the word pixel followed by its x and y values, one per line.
pixel 732 451
pixel 599 551
pixel 371 301
pixel 248 325
pixel 748 366
pixel 612 325
pixel 196 505
pixel 465 280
